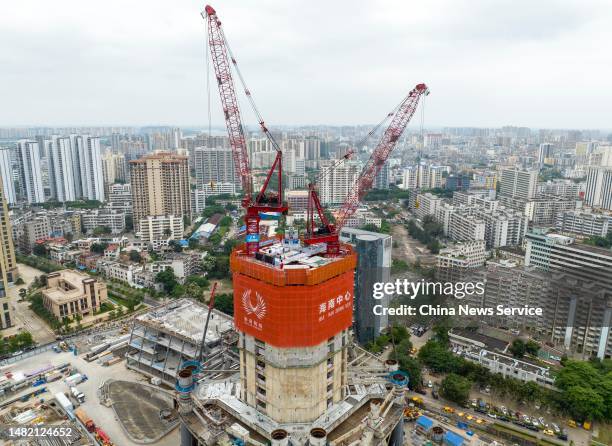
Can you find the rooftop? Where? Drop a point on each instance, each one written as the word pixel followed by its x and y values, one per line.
pixel 185 318
pixel 488 341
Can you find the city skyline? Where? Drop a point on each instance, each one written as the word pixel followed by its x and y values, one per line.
pixel 487 66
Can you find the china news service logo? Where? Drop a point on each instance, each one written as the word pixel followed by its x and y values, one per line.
pixel 258 308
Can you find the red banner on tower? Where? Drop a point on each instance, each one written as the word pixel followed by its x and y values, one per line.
pixel 293 316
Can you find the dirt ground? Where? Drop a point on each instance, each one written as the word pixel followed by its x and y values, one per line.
pixel 409 249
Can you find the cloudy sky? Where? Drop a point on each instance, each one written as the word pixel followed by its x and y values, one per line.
pixel 541 63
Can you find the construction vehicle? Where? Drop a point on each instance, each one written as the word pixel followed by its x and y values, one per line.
pixel 85 419
pixel 411 413
pixel 77 394
pixel 103 437
pixel 417 400
pixel 327 232
pixel 265 202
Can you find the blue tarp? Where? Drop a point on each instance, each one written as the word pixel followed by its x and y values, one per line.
pixel 452 439
pixel 424 422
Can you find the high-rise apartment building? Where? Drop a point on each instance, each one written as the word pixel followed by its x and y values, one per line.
pixel 8 263
pixel 28 159
pixel 383 177
pixel 90 168
pixel 423 176
pixel 373 265
pixel 61 169
pixel 599 187
pixel 519 183
pixel 160 186
pixel 545 152
pixel 214 165
pixel 114 168
pixel 336 185
pixel 6 175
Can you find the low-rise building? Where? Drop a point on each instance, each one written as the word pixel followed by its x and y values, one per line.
pixel 69 292
pixel 586 223
pixel 111 219
pixel 161 227
pixel 490 353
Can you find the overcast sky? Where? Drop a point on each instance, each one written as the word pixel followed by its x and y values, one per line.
pixel 537 63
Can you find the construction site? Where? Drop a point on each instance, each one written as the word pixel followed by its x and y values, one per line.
pixel 299 378
pixel 162 340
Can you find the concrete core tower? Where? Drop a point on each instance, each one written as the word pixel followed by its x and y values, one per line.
pixel 293 309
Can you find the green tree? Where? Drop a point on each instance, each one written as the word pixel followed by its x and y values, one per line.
pixel 517 348
pixel 456 388
pixel 584 403
pixel 414 369
pixel 578 373
pixel 532 347
pixel 98 248
pixel 225 303
pixel 193 291
pixel 168 279
pixel 101 230
pixel 437 357
pixel 40 250
pixel 135 256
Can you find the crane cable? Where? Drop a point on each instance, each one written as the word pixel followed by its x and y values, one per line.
pixel 249 96
pixel 207 58
pixel 368 135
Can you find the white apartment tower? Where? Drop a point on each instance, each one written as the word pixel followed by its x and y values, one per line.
pixel 214 165
pixel 335 186
pixel 30 179
pixel 6 175
pixel 519 183
pixel 90 162
pixel 61 169
pixel 599 187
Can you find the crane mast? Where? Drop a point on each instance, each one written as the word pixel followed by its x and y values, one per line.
pixel 329 233
pixel 264 202
pixel 229 101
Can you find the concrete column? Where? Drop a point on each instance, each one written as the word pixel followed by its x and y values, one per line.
pixel 186 438
pixel 397 436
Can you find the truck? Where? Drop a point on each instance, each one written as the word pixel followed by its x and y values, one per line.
pixel 53 376
pixel 77 394
pixel 85 419
pixel 63 401
pixel 75 379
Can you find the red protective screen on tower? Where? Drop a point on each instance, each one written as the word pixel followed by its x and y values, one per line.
pixel 293 316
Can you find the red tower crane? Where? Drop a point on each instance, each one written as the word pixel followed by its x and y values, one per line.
pixel 328 232
pixel 264 201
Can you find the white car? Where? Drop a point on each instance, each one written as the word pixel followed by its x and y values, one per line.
pixel 492 415
pixel 429 384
